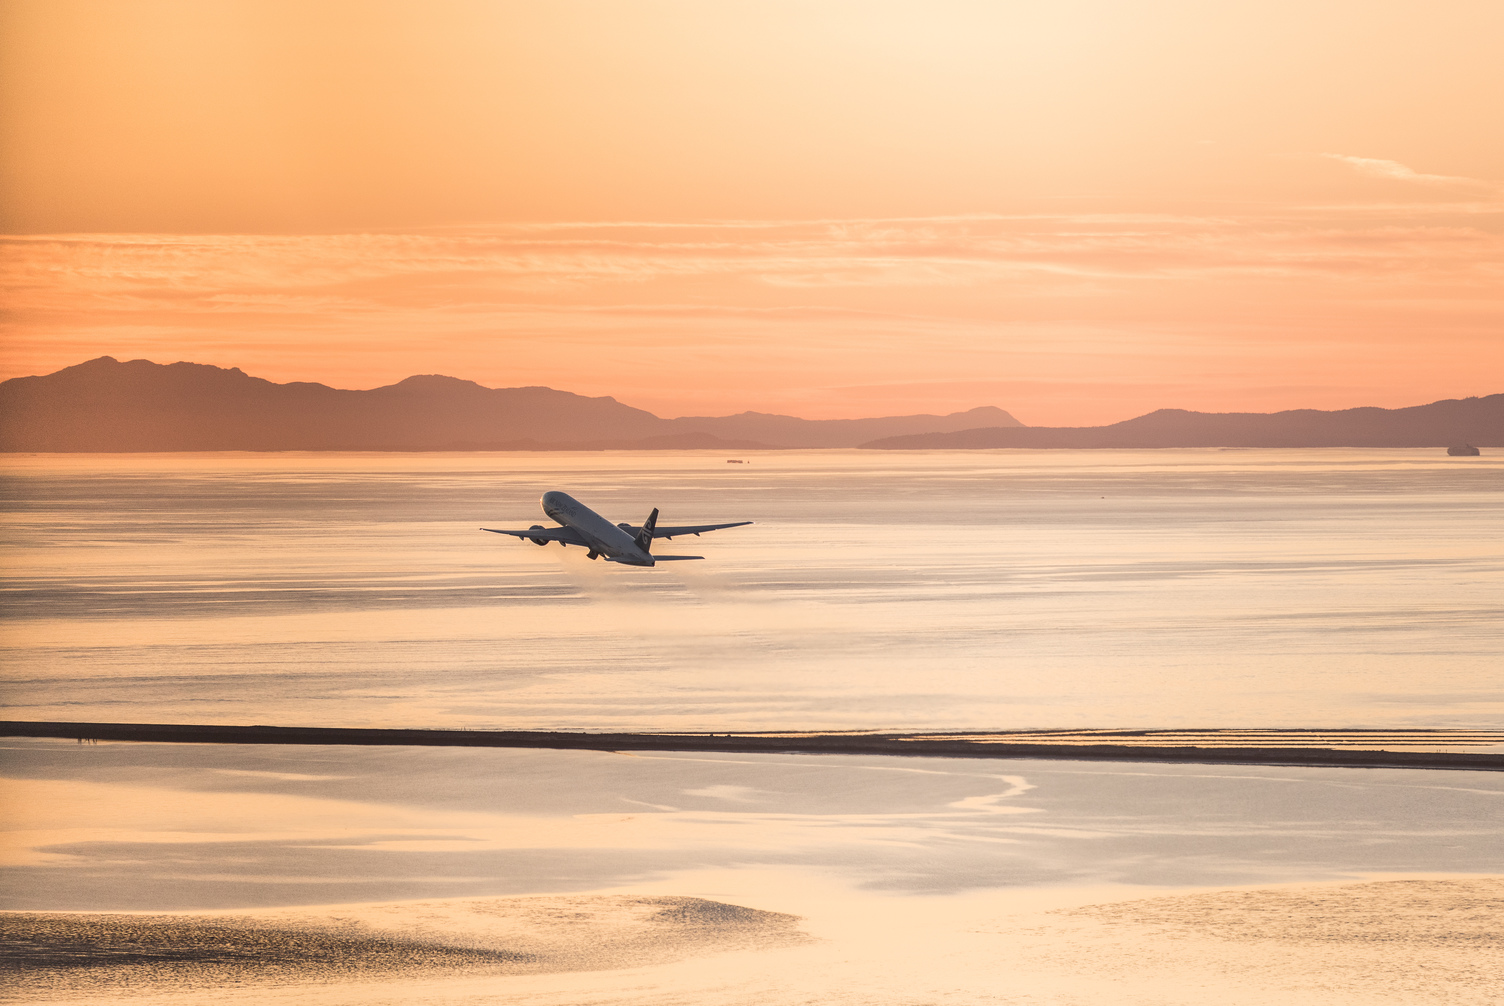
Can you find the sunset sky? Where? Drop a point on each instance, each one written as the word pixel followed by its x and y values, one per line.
pixel 1076 210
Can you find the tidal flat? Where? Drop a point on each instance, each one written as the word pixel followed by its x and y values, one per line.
pixel 1407 941
pixel 442 875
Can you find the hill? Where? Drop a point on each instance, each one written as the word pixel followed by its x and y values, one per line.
pixel 105 405
pixel 1476 421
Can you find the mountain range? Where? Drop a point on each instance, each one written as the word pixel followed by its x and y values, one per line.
pixel 1452 422
pixel 106 405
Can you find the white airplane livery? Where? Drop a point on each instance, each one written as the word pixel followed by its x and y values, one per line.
pixel 623 543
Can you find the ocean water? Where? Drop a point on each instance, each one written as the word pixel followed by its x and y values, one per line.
pixel 946 590
pixel 931 590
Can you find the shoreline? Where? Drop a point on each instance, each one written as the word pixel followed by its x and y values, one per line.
pixel 1126 746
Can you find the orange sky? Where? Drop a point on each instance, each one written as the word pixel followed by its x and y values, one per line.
pixel 1077 210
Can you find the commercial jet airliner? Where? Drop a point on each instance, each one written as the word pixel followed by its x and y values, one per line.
pixel 623 543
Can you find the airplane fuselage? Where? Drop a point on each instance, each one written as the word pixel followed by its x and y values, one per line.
pixel 623 543
pixel 602 536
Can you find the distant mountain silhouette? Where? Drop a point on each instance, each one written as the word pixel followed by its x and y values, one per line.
pixel 790 432
pixel 1476 421
pixel 105 405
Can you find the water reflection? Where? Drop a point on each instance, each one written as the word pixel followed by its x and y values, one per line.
pixel 167 827
pixel 914 591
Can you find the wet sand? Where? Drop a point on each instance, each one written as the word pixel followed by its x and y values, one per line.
pixel 49 953
pixel 175 874
pixel 1410 941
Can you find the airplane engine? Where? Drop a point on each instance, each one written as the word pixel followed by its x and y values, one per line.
pixel 537 541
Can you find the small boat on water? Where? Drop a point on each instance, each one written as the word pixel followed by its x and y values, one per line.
pixel 1463 451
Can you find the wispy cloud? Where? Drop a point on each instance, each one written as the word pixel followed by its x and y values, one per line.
pixel 590 265
pixel 1375 167
pixel 685 319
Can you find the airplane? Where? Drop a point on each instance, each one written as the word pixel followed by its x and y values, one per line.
pixel 623 543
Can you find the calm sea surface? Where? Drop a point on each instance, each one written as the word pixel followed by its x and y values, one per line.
pixel 875 590
pixel 989 589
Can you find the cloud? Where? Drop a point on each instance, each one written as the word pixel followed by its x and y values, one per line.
pixel 1395 171
pixel 587 270
pixel 1061 318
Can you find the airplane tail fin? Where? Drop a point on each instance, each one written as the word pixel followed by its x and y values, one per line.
pixel 645 536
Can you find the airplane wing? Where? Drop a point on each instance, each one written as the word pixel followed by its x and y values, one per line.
pixel 567 535
pixel 669 532
pixel 659 558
